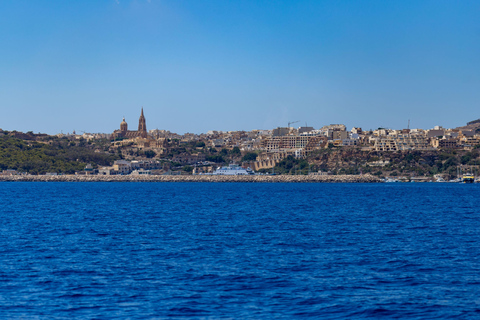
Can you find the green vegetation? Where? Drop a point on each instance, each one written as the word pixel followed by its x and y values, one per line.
pixel 249 156
pixel 291 165
pixel 216 159
pixel 188 169
pixel 149 154
pixel 411 163
pixel 236 151
pixel 24 152
pixel 57 156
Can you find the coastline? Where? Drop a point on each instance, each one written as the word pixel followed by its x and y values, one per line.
pixel 367 178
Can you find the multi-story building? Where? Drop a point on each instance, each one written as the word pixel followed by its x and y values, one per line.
pixel 122 166
pixel 470 141
pixel 338 135
pixel 444 143
pixel 356 130
pixel 278 132
pixel 283 143
pixel 402 142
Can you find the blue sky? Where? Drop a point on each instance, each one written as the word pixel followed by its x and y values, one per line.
pixel 237 65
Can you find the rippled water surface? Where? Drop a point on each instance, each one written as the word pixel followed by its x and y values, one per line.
pixel 221 250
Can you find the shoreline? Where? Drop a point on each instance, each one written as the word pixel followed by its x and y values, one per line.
pixel 367 178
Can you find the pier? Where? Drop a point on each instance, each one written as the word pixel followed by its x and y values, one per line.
pixel 194 178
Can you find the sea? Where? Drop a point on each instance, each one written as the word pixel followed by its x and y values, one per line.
pixel 149 250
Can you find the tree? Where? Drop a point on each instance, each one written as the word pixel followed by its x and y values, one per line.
pixel 236 151
pixel 150 154
pixel 39 158
pixel 216 159
pixel 249 156
pixel 290 164
pixel 187 168
pixel 466 158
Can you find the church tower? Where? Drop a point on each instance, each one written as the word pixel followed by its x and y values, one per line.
pixel 142 126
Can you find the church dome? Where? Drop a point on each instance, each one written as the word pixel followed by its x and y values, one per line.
pixel 123 125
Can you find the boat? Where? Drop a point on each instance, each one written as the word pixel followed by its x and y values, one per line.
pixel 233 170
pixel 468 178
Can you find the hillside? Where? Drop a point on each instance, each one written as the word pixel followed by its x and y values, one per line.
pixel 60 156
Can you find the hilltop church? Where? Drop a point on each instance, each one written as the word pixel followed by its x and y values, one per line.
pixel 125 133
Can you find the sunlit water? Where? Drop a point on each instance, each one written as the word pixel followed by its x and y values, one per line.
pixel 239 250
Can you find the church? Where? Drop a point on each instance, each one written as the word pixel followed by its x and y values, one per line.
pixel 140 139
pixel 125 133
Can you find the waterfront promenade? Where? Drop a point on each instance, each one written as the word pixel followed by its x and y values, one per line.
pixel 191 178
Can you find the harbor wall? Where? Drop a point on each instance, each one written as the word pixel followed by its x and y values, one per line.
pixel 193 178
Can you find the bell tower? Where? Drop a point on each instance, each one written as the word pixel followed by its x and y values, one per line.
pixel 142 126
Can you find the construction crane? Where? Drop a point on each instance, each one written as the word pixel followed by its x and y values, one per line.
pixel 292 123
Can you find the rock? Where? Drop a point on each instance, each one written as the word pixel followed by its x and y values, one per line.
pixel 199 178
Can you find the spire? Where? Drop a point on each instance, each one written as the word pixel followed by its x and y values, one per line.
pixel 142 127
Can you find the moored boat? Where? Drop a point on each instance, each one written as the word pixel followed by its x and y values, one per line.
pixel 233 170
pixel 468 178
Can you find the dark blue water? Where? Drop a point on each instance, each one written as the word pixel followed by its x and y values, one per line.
pixel 239 251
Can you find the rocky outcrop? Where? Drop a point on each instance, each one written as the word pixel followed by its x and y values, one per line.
pixel 196 178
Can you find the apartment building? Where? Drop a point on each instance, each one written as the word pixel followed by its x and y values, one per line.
pixel 444 143
pixel 402 142
pixel 277 144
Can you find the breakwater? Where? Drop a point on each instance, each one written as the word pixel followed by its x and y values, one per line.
pixel 190 178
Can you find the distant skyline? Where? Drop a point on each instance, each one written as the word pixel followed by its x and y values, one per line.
pixel 237 65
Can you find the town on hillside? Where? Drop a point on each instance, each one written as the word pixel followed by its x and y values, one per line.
pixel 330 150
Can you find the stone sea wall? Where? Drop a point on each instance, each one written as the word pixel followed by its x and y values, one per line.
pixel 202 178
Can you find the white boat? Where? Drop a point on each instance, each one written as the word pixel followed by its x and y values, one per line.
pixel 233 170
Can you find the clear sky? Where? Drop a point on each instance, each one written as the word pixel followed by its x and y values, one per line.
pixel 237 65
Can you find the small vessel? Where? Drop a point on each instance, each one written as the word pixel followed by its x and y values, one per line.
pixel 233 170
pixel 468 178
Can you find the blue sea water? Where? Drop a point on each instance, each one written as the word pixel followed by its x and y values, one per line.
pixel 239 251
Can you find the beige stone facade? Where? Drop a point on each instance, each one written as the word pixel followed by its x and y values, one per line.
pixel 125 133
pixel 402 142
pixel 284 143
pixel 445 143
